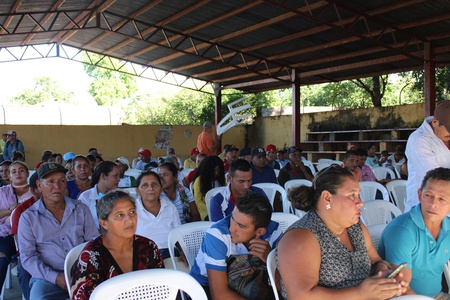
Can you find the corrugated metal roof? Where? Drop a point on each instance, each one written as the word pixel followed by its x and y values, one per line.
pixel 248 45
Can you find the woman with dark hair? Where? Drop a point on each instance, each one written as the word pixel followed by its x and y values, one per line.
pixel 106 178
pixel 178 193
pixel 328 254
pixel 117 250
pixel 81 168
pixel 209 175
pixel 157 216
pixel 11 195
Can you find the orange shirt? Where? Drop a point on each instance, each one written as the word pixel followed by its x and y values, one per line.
pixel 204 143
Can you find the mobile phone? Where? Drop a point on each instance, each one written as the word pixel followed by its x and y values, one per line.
pixel 397 270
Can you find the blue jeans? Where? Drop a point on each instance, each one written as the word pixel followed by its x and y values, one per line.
pixel 8 248
pixel 44 290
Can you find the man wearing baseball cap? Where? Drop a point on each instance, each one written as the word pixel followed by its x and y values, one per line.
pixel 261 172
pixel 271 156
pixel 146 158
pixel 48 230
pixel 191 161
pixel 126 181
pixel 427 149
pixel 295 169
pixel 205 142
pixel 12 145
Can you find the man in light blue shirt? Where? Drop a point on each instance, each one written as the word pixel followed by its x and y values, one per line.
pixel 421 237
pixel 48 230
pixel 11 145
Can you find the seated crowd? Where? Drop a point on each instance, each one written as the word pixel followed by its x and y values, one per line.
pixel 125 221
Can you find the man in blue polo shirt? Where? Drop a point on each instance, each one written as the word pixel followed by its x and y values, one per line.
pixel 248 230
pixel 421 237
pixel 240 184
pixel 261 171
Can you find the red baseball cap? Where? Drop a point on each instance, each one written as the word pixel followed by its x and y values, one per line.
pixel 271 147
pixel 194 151
pixel 145 152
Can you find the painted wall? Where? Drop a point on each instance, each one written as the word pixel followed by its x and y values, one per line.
pixel 125 140
pixel 112 141
pixel 278 130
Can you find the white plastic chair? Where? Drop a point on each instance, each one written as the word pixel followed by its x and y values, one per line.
pixel 186 172
pixel 277 172
pixel 325 161
pixel 382 172
pixel 378 212
pixel 369 191
pixel 149 284
pixel 211 193
pixel 271 190
pixel 375 233
pixel 130 190
pixel 71 257
pixel 190 237
pixel 310 165
pixel 321 166
pixel 133 172
pixel 447 272
pixel 271 269
pixel 285 220
pixel 287 206
pixel 397 192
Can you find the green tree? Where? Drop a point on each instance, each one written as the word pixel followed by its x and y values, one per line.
pixel 442 82
pixel 45 89
pixel 375 87
pixel 108 85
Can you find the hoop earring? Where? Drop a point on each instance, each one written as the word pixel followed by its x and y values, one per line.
pixel 328 206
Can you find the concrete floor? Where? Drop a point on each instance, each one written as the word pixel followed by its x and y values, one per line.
pixel 15 292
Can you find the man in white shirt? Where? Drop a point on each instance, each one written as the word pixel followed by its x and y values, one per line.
pixel 428 148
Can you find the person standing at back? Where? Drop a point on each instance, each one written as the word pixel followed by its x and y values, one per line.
pixel 427 148
pixel 205 142
pixel 11 145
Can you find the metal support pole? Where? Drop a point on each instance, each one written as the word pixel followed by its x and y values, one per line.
pixel 429 80
pixel 295 108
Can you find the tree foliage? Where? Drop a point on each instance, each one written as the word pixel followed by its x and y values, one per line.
pixel 109 86
pixel 442 82
pixel 46 88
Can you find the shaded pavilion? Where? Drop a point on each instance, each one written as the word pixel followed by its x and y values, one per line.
pixel 248 45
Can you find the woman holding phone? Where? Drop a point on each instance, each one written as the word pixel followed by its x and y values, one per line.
pixel 334 255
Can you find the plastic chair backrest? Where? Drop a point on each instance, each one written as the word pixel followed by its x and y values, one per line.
pixel 285 220
pixel 375 233
pixel 130 190
pixel 133 172
pixel 397 191
pixel 382 172
pixel 149 284
pixel 378 212
pixel 447 272
pixel 310 165
pixel 271 269
pixel 325 161
pixel 190 237
pixel 369 191
pixel 211 193
pixel 287 206
pixel 271 190
pixel 321 166
pixel 71 257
